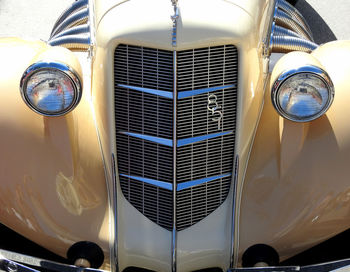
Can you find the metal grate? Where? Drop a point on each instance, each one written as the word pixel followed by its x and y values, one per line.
pixel 196 203
pixel 146 114
pixel 155 203
pixel 201 69
pixel 144 130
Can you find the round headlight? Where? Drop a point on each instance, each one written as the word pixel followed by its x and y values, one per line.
pixel 303 94
pixel 51 88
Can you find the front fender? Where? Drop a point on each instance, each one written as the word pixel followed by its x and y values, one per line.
pixel 296 192
pixel 52 176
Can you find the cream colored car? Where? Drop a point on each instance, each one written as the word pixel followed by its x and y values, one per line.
pixel 175 136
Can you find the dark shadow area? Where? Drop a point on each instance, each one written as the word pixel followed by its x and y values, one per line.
pixel 136 269
pixel 14 242
pixel 321 31
pixel 336 248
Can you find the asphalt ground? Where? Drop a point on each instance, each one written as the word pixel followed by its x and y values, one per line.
pixel 33 19
pixel 328 20
pixel 30 19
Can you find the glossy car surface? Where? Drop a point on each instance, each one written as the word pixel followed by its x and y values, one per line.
pixel 71 178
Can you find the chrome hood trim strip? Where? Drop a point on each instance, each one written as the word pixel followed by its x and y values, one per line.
pixel 174 232
pixel 174 18
pixel 234 205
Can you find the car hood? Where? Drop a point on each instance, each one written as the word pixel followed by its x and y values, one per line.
pixel 102 7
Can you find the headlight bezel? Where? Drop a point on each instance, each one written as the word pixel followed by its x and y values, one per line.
pixel 306 69
pixel 60 67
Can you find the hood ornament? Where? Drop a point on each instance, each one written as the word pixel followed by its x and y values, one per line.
pixel 174 18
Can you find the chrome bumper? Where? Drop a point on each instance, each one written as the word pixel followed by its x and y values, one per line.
pixel 15 262
pixel 336 266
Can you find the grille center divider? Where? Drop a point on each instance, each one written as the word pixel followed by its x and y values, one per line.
pixel 206 105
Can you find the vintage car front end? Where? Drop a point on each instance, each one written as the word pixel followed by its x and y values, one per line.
pixel 174 79
pixel 174 157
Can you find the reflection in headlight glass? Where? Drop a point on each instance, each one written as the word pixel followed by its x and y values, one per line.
pixel 50 91
pixel 303 95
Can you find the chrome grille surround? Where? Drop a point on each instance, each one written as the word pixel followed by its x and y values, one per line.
pixel 169 145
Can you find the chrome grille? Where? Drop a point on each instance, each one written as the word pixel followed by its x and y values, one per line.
pixel 155 203
pixel 145 114
pixel 205 159
pixel 196 203
pixel 206 67
pixel 200 69
pixel 141 112
pixel 144 130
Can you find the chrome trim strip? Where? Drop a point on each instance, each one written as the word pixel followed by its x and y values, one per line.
pixel 233 227
pixel 158 140
pixel 154 182
pixel 174 18
pixel 147 90
pixel 185 94
pixel 18 258
pixel 192 140
pixel 114 256
pixel 174 232
pixel 334 266
pixel 41 264
pixel 91 22
pixel 192 183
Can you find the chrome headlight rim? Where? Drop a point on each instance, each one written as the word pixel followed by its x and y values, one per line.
pixel 307 69
pixel 57 67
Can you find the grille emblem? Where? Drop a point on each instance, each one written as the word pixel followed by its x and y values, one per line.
pixel 214 107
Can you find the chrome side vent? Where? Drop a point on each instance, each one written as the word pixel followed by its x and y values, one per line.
pixel 72 28
pixel 205 138
pixel 289 30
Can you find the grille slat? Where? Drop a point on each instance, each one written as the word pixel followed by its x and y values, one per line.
pixel 152 115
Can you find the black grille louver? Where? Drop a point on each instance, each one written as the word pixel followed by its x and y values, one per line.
pixel 139 113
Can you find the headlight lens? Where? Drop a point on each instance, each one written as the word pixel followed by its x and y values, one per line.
pixel 304 94
pixel 51 89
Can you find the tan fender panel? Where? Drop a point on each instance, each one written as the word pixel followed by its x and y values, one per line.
pixel 297 191
pixel 52 182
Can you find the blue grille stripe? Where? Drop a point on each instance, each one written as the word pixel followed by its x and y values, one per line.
pixel 158 140
pixel 154 182
pixel 180 186
pixel 192 140
pixel 182 142
pixel 185 94
pixel 147 90
pixel 192 183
